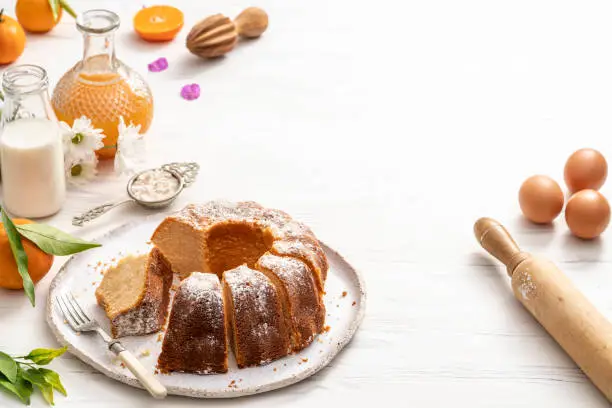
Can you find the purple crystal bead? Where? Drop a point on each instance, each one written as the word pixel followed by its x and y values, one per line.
pixel 190 92
pixel 160 64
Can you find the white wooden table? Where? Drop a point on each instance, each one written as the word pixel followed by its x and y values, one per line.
pixel 389 127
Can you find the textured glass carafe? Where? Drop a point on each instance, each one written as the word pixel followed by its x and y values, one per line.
pixel 31 149
pixel 100 86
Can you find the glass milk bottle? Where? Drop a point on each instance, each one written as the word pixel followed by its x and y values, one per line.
pixel 31 151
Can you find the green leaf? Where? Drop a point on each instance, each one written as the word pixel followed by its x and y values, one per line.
pixel 21 258
pixel 8 367
pixel 21 388
pixel 43 356
pixel 53 241
pixel 53 378
pixel 37 379
pixel 54 8
pixel 68 9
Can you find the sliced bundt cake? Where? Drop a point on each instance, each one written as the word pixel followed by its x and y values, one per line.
pixel 272 272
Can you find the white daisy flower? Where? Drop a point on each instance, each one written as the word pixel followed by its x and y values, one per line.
pixel 80 171
pixel 81 140
pixel 130 149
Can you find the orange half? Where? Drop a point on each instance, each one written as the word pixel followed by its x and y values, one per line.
pixel 158 23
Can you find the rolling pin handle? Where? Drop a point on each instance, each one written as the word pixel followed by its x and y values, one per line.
pixel 496 240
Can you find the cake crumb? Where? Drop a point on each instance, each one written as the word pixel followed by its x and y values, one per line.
pixel 78 333
pixel 304 360
pixel 156 371
pixel 122 365
pixel 344 293
pixel 274 368
pixel 354 303
pixel 240 380
pixel 159 337
pixel 65 321
pixel 326 329
pixel 145 353
pixel 93 283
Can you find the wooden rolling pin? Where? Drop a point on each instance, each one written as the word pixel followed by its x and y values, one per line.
pixel 549 295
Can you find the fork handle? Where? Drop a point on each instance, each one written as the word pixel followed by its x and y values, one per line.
pixel 155 388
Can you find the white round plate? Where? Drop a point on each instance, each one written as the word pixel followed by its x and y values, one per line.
pixel 344 300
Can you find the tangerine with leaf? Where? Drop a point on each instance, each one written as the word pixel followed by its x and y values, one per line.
pixel 39 262
pixel 41 16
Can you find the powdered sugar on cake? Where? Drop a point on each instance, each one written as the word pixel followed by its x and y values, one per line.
pixel 243 282
pixel 288 269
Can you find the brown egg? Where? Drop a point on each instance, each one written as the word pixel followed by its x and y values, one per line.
pixel 585 169
pixel 587 214
pixel 541 199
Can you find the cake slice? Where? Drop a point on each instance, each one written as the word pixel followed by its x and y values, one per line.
pixel 259 332
pixel 309 252
pixel 135 294
pixel 302 306
pixel 196 339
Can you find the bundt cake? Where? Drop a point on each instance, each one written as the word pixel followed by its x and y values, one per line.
pixel 259 333
pixel 135 294
pixel 253 279
pixel 272 272
pixel 196 340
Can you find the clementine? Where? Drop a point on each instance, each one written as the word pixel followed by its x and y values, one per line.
pixel 39 262
pixel 36 16
pixel 12 39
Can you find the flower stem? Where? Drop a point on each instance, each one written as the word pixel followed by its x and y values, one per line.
pixel 67 7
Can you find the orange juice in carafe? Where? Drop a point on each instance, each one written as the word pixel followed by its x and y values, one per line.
pixel 100 86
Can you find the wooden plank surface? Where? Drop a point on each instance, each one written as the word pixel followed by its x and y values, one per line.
pixel 388 127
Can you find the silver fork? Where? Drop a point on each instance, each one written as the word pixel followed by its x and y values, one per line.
pixel 80 322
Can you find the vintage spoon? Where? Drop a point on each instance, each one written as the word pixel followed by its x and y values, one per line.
pixel 185 173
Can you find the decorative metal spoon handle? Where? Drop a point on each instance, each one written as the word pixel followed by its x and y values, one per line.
pixel 188 171
pixel 94 213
